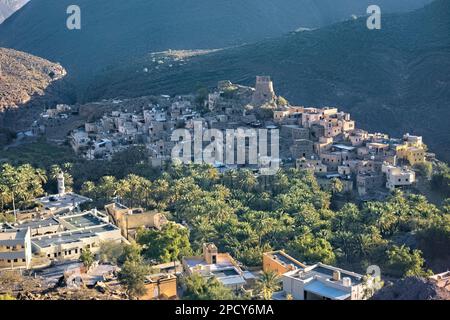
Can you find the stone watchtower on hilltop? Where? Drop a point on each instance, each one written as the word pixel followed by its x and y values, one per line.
pixel 264 92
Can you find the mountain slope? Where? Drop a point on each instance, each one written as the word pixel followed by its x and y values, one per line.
pixel 8 7
pixel 116 29
pixel 396 79
pixel 23 76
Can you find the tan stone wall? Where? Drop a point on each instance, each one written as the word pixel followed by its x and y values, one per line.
pixel 141 219
pixel 165 287
pixel 270 265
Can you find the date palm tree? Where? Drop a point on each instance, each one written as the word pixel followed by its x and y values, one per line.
pixel 268 283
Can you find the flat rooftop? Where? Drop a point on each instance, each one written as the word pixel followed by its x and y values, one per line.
pixel 344 147
pixel 286 259
pixel 232 280
pixel 326 272
pixel 83 221
pixel 58 202
pixel 12 234
pixel 33 224
pixel 222 262
pixel 225 273
pixel 69 237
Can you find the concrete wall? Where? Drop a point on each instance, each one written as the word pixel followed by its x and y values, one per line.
pixel 163 287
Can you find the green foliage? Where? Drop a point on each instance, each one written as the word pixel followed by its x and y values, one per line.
pixel 133 191
pixel 169 244
pixel 87 258
pixel 246 216
pixel 111 252
pixel 21 185
pixel 267 284
pixel 199 288
pixel 201 97
pixel 40 154
pixel 311 249
pixel 336 186
pixel 132 276
pixel 6 136
pixel 282 101
pixel 371 285
pixel 131 252
pixel 404 262
pixel 4 217
pixel 434 241
pixel 229 93
pixel 441 179
pixel 425 169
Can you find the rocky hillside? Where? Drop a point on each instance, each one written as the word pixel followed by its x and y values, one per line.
pixel 116 29
pixel 412 288
pixel 23 76
pixel 396 79
pixel 8 7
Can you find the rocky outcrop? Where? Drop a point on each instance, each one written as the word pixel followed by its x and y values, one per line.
pixel 23 76
pixel 412 288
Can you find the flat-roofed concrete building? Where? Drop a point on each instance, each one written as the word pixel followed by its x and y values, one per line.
pixel 62 203
pixel 69 245
pixel 58 238
pixel 323 282
pixel 15 248
pixel 302 148
pixel 398 177
pixel 75 232
pixel 218 265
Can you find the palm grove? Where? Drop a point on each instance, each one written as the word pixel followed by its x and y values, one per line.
pixel 247 215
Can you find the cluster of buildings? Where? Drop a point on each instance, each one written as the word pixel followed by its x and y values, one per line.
pixel 60 231
pixel 117 130
pixel 298 281
pixel 62 111
pixel 152 125
pixel 58 238
pixel 53 239
pixel 324 141
pixel 37 241
pixel 327 142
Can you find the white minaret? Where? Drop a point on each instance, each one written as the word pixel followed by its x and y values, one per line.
pixel 61 187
